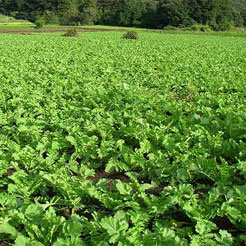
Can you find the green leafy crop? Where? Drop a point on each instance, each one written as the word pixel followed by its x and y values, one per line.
pixel 109 142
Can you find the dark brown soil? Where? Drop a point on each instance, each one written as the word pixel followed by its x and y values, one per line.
pixel 113 176
pixel 71 35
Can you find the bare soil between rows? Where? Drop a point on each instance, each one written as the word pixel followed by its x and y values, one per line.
pixel 60 30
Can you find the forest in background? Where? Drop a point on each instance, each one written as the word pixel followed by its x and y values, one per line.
pixel 217 14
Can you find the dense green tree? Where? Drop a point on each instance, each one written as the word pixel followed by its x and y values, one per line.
pixel 131 12
pixel 68 12
pixel 237 17
pixel 88 11
pixel 219 14
pixel 199 10
pixel 109 11
pixel 173 13
pixel 7 6
pixel 240 6
pixel 149 17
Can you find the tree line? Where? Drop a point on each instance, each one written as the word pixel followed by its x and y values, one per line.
pixel 218 14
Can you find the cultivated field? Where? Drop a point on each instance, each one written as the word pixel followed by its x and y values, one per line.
pixel 106 141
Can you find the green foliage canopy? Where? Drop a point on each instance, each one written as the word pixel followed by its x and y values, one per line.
pixel 219 14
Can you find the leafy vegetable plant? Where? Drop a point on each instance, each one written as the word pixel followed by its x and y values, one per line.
pixel 106 142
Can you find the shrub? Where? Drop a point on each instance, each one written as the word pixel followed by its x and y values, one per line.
pixel 195 28
pixel 205 29
pixel 188 29
pixel 131 35
pixel 201 28
pixel 71 33
pixel 39 23
pixel 6 19
pixel 170 28
pixel 223 25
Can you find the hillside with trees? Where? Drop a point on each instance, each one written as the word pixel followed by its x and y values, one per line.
pixel 240 7
pixel 218 14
